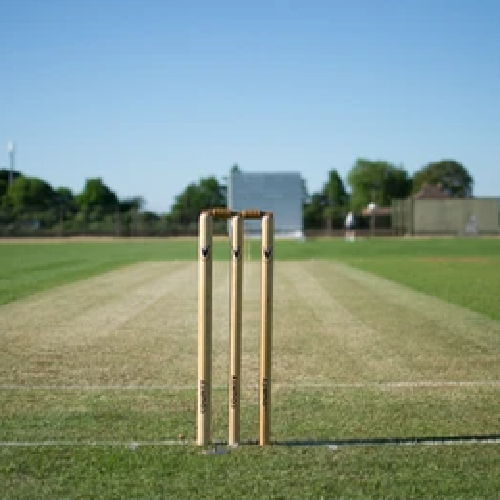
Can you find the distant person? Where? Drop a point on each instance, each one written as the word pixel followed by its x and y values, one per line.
pixel 350 233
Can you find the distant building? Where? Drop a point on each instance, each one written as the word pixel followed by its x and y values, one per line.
pixel 431 192
pixel 277 192
pixel 432 211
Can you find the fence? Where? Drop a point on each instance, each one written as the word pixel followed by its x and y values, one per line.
pixel 57 221
pixel 458 217
pixel 411 216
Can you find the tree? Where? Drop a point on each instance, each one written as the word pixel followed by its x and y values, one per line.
pixel 135 203
pixel 96 199
pixel 305 192
pixel 330 202
pixel 235 169
pixel 207 193
pixel 377 181
pixel 335 194
pixel 335 198
pixel 149 217
pixel 314 212
pixel 398 185
pixel 3 189
pixel 29 194
pixel 65 199
pixel 4 180
pixel 453 177
pixel 64 195
pixel 31 200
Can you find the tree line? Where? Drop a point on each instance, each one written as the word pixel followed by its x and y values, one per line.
pixel 33 202
pixel 380 182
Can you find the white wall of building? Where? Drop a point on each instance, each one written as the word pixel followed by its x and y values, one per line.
pixel 277 192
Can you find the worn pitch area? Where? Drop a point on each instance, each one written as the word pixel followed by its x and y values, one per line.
pixel 355 356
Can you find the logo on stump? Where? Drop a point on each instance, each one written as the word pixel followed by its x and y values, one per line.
pixel 267 252
pixel 234 392
pixel 203 397
pixel 265 392
pixel 205 251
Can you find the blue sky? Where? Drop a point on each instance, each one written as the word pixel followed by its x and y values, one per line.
pixel 153 94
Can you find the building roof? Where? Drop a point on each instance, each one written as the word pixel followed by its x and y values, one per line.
pixel 431 192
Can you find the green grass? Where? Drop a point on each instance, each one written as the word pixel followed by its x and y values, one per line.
pixel 380 337
pixel 381 472
pixel 299 414
pixel 34 267
pixel 473 284
pixel 30 268
pixel 465 271
pixel 460 471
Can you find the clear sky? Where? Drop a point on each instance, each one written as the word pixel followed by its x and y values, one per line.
pixel 153 94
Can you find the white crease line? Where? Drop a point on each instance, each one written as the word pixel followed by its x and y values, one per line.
pixel 333 444
pixel 423 383
pixel 74 444
pixel 8 387
pixel 307 385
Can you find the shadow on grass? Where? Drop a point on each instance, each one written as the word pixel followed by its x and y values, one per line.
pixel 395 441
pixel 416 440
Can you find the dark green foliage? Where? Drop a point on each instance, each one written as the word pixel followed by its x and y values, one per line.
pixel 30 202
pixel 96 200
pixel 327 205
pixel 29 192
pixel 207 193
pixel 130 204
pixel 314 212
pixel 4 180
pixel 451 175
pixel 378 182
pixel 335 195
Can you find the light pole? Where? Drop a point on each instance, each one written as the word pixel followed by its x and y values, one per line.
pixel 11 152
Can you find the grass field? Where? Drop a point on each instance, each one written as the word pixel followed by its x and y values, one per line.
pixel 377 340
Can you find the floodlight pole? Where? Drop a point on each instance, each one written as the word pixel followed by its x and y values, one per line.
pixel 11 153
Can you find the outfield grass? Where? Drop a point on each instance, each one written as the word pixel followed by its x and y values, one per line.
pixel 34 267
pixel 464 272
pixel 98 344
pixel 429 265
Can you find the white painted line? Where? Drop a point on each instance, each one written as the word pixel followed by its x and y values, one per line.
pixel 128 444
pixel 411 384
pixel 331 444
pixel 298 385
pixel 175 388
